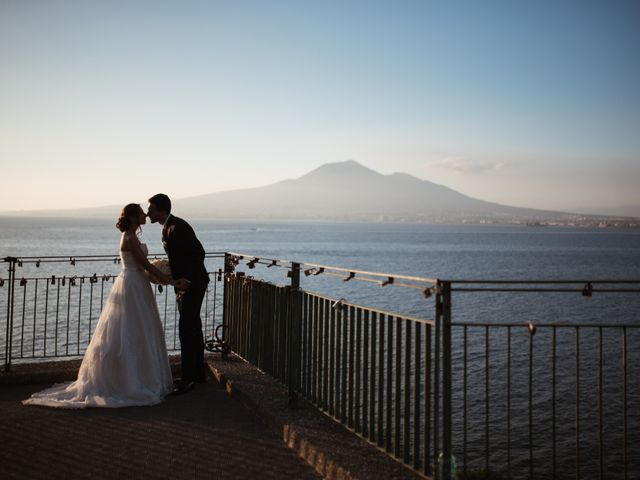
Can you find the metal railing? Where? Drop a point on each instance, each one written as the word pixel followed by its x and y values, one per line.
pixel 571 400
pixel 492 393
pixel 362 366
pixel 549 399
pixel 52 305
pixel 378 373
pixel 530 398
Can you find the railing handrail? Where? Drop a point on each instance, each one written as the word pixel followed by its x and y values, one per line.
pixel 542 281
pixel 354 271
pixel 545 325
pixel 84 258
pixel 585 287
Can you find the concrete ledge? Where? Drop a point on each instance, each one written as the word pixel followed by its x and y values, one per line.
pixel 55 371
pixel 331 449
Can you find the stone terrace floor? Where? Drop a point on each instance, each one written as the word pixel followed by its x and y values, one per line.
pixel 235 426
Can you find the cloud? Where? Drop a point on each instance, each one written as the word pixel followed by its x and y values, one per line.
pixel 467 167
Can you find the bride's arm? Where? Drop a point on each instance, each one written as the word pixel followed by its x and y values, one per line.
pixel 133 245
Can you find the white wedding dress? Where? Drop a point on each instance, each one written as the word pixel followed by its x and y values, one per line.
pixel 126 363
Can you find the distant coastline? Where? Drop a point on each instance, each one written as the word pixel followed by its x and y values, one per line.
pixel 350 192
pixel 568 220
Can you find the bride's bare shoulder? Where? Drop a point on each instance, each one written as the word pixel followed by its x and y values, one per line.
pixel 125 242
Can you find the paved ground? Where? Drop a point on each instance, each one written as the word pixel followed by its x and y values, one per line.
pixel 235 426
pixel 203 434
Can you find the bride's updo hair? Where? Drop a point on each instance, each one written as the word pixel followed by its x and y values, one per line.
pixel 124 220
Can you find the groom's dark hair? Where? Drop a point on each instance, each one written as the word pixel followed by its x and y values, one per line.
pixel 162 202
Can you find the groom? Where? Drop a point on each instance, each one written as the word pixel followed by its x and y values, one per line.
pixel 186 257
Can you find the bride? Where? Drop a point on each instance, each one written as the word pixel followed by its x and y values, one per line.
pixel 126 363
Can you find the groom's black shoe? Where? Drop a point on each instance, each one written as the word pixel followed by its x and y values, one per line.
pixel 182 386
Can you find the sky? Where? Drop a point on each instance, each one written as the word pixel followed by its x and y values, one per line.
pixel 530 104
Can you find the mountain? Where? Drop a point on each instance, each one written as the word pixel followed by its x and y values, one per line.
pixel 348 191
pixel 352 192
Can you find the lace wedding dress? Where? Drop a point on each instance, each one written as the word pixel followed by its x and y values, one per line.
pixel 126 363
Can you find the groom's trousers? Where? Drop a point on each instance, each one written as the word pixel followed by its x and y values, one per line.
pixel 190 332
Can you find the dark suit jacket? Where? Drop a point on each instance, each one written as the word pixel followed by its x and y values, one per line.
pixel 186 255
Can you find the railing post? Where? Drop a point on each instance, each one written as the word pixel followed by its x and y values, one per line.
pixel 293 337
pixel 447 468
pixel 436 378
pixel 229 267
pixel 10 293
pixel 225 292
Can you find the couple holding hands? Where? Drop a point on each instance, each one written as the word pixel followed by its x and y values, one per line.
pixel 126 363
